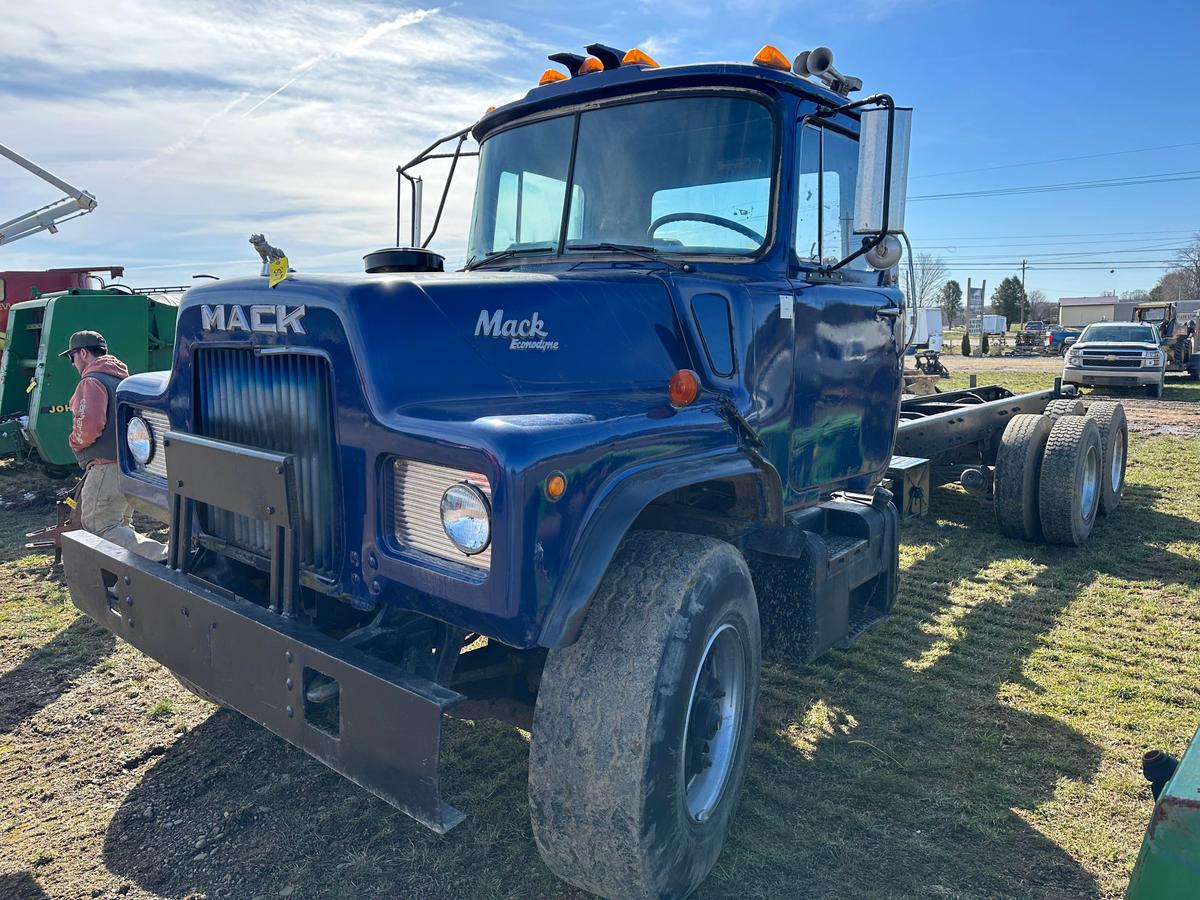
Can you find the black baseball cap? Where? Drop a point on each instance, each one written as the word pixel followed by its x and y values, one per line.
pixel 86 340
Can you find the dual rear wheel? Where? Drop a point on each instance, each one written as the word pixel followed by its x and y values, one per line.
pixel 1056 472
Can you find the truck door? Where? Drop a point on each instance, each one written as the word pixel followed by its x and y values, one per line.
pixel 847 371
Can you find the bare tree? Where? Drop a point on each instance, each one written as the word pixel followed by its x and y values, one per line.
pixel 931 274
pixel 1174 285
pixel 1040 308
pixel 1189 263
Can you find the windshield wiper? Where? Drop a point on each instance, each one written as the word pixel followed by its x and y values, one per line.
pixel 476 261
pixel 636 249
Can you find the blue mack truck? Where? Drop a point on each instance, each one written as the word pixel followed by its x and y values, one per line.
pixel 582 485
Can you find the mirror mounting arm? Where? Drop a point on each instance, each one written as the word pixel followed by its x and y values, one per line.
pixel 424 156
pixel 876 100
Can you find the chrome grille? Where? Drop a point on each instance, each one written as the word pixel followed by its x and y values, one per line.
pixel 159 426
pixel 280 402
pixel 1121 359
pixel 417 490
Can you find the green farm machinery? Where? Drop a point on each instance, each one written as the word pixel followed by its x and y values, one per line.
pixel 36 383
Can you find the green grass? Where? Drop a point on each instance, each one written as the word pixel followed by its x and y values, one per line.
pixel 1021 381
pixel 984 741
pixel 162 709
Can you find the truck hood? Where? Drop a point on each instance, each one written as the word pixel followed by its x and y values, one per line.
pixel 462 345
pixel 1101 346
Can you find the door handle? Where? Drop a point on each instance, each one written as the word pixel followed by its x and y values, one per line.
pixel 887 312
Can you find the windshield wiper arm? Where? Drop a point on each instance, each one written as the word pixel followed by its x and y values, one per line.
pixel 474 262
pixel 636 249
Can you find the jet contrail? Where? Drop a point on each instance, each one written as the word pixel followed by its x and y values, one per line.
pixel 370 36
pixel 174 148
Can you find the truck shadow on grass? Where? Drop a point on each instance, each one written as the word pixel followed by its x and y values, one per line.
pixel 892 769
pixel 901 767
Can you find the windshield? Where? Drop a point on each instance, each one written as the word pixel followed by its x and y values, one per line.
pixel 1125 334
pixel 684 175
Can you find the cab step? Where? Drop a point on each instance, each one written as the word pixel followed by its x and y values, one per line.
pixel 826 576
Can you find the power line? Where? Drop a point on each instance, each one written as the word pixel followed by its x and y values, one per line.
pixel 1132 181
pixel 992 237
pixel 1044 162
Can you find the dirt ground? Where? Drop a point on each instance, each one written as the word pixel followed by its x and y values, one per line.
pixel 983 742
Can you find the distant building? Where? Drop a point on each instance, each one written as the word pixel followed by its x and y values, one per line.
pixel 1079 311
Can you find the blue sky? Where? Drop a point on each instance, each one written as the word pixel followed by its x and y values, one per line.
pixel 197 123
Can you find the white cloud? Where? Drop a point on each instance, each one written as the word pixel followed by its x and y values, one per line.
pixel 174 137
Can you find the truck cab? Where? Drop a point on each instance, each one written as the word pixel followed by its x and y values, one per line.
pixel 582 484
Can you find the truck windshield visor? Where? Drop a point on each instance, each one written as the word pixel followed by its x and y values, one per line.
pixel 686 175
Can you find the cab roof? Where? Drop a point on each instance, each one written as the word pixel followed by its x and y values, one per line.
pixel 629 80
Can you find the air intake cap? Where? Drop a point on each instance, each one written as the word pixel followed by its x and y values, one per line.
pixel 403 259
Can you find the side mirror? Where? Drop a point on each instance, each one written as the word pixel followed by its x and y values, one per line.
pixel 881 187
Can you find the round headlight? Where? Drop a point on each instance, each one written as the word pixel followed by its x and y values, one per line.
pixel 140 440
pixel 467 518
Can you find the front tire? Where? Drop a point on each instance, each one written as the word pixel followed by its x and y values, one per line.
pixel 643 726
pixel 1155 390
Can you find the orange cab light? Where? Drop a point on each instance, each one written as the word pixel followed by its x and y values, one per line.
pixel 556 485
pixel 591 64
pixel 490 109
pixel 550 76
pixel 772 58
pixel 683 388
pixel 636 57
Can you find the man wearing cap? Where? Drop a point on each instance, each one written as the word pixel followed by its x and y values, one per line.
pixel 104 511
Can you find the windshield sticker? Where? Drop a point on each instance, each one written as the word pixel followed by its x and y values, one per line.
pixel 521 334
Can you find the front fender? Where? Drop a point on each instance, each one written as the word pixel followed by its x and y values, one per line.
pixel 616 508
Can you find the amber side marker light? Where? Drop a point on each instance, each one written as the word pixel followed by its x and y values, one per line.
pixel 556 485
pixel 550 76
pixel 772 58
pixel 636 57
pixel 683 388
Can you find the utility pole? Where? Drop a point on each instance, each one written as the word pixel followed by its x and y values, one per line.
pixel 1024 317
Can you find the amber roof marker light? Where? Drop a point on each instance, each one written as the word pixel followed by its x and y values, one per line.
pixel 772 58
pixel 636 57
pixel 550 76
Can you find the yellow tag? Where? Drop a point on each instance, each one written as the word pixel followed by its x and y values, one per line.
pixel 31 386
pixel 278 270
pixel 70 501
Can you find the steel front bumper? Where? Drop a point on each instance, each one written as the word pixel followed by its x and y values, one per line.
pixel 1097 375
pixel 255 661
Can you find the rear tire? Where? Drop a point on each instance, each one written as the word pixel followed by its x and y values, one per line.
pixel 1056 409
pixel 1071 474
pixel 1017 476
pixel 1114 438
pixel 621 801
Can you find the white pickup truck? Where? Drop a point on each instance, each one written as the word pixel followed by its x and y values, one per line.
pixel 1117 354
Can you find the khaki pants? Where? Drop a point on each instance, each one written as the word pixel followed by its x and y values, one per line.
pixel 104 511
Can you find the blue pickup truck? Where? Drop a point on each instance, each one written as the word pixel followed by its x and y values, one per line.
pixel 1058 339
pixel 583 485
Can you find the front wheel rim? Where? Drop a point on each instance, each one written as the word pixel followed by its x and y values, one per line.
pixel 715 719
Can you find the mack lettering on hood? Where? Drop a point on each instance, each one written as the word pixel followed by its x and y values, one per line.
pixel 262 318
pixel 522 334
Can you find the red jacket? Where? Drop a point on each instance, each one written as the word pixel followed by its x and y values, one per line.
pixel 89 403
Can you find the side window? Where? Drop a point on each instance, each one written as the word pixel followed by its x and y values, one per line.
pixel 825 209
pixel 529 208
